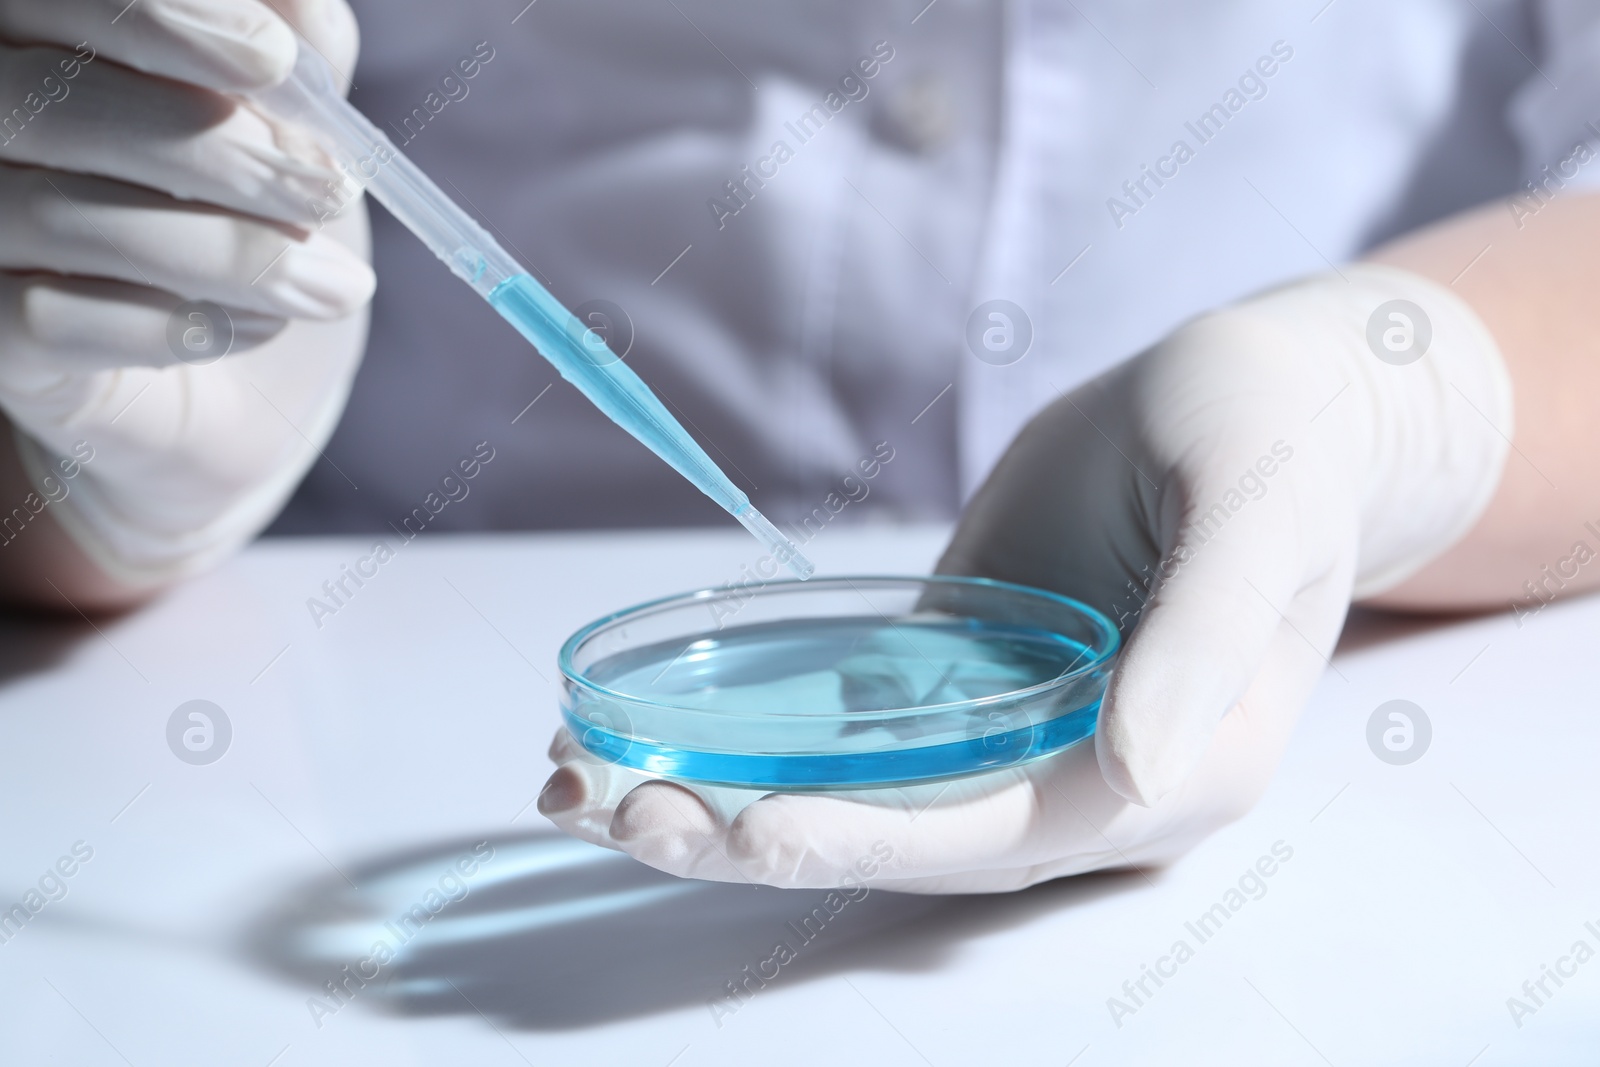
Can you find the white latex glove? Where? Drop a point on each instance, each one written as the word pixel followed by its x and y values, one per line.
pixel 142 179
pixel 1258 469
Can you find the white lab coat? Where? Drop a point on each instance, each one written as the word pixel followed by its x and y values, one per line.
pixel 999 151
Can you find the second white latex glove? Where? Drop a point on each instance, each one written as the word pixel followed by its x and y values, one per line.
pixel 142 181
pixel 1222 497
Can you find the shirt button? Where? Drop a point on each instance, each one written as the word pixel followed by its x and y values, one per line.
pixel 918 115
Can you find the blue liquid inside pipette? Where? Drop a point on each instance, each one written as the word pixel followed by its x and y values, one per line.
pixel 582 358
pixel 370 160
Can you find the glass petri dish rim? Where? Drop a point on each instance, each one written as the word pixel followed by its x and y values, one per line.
pixel 1097 619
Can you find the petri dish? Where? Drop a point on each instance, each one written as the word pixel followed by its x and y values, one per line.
pixel 838 683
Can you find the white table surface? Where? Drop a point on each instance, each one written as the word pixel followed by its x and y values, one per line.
pixel 413 724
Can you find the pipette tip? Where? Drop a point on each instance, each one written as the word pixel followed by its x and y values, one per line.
pixel 784 550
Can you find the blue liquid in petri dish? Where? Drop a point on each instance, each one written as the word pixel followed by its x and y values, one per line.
pixel 840 702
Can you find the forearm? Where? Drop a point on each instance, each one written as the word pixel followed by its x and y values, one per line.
pixel 1534 288
pixel 41 567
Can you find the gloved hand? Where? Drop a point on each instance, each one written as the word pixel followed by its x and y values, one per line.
pixel 135 177
pixel 1229 491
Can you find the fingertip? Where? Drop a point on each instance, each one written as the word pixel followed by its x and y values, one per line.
pixel 670 828
pixel 1148 741
pixel 331 28
pixel 1122 779
pixel 776 841
pixel 235 47
pixel 657 809
pixel 319 279
pixel 565 790
pixel 762 843
pixel 581 797
pixel 755 828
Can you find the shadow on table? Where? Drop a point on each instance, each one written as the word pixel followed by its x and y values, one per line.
pixel 551 933
pixel 1365 628
pixel 33 643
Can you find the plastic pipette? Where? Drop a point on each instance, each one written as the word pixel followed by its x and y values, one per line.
pixel 370 161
